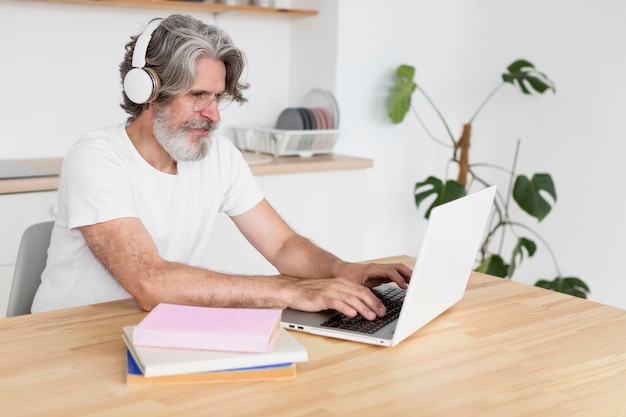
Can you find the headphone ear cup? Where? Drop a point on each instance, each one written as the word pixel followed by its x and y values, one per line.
pixel 141 85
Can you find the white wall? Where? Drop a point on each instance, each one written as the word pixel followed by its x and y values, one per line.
pixel 59 73
pixel 58 79
pixel 460 48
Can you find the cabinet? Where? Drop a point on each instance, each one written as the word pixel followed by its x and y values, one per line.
pixel 18 212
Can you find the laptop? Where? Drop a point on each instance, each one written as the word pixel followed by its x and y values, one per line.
pixel 444 264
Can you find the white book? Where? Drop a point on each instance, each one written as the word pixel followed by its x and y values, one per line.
pixel 154 361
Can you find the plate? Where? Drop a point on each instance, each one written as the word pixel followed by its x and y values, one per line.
pixel 311 118
pixel 320 117
pixel 324 99
pixel 317 119
pixel 305 118
pixel 290 119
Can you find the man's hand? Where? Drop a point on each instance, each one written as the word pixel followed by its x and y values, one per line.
pixel 371 274
pixel 349 294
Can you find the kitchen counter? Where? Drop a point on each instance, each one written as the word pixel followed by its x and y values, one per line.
pixel 24 185
pixel 273 166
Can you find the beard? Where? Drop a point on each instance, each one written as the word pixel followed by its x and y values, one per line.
pixel 178 140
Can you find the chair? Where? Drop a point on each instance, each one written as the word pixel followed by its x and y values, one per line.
pixel 31 261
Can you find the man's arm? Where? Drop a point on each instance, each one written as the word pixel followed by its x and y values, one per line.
pixel 127 250
pixel 295 256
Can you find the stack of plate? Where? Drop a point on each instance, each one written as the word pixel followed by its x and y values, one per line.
pixel 319 112
pixel 307 130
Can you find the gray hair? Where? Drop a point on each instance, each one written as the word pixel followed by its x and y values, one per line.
pixel 173 52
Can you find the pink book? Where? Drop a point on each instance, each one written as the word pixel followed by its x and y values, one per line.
pixel 208 328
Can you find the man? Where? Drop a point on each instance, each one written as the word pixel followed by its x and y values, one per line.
pixel 137 202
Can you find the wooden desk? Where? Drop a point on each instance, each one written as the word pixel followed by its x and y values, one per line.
pixel 506 349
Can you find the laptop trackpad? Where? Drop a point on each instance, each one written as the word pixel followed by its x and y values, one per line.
pixel 291 319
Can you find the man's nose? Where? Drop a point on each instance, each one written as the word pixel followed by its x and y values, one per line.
pixel 212 112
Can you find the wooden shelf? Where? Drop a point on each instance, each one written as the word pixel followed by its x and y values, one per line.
pixel 191 5
pixel 276 166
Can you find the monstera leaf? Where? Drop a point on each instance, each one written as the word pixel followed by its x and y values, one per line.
pixel 524 74
pixel 444 192
pixel 568 285
pixel 494 265
pixel 518 253
pixel 402 91
pixel 526 193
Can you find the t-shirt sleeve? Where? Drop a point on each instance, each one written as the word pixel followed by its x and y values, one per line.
pixel 95 184
pixel 243 192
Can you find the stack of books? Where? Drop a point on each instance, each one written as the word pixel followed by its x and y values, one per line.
pixel 177 344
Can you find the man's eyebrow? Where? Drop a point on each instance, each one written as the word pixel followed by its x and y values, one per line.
pixel 198 92
pixel 203 92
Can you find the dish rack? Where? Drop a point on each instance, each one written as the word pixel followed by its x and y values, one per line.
pixel 280 142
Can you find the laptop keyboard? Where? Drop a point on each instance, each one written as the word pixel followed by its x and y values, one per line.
pixel 391 298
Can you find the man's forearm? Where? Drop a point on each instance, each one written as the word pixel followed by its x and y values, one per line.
pixel 301 258
pixel 176 283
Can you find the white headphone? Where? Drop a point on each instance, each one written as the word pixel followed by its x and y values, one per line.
pixel 141 83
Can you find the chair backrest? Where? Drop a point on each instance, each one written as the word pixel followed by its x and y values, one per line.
pixel 30 263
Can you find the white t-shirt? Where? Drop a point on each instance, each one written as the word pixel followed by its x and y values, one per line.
pixel 105 178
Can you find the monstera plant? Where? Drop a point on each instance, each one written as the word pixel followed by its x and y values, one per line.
pixel 534 195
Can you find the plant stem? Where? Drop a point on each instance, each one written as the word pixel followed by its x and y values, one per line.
pixel 510 191
pixel 556 265
pixel 485 101
pixel 512 177
pixel 464 145
pixel 488 165
pixel 445 124
pixel 428 132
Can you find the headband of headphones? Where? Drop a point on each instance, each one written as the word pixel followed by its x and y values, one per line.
pixel 141 46
pixel 141 83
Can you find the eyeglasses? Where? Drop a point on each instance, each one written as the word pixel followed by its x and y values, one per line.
pixel 201 102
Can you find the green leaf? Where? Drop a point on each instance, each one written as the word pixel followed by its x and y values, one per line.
pixel 574 281
pixel 494 265
pixel 527 194
pixel 523 73
pixel 402 91
pixel 538 84
pixel 444 193
pixel 518 253
pixel 568 285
